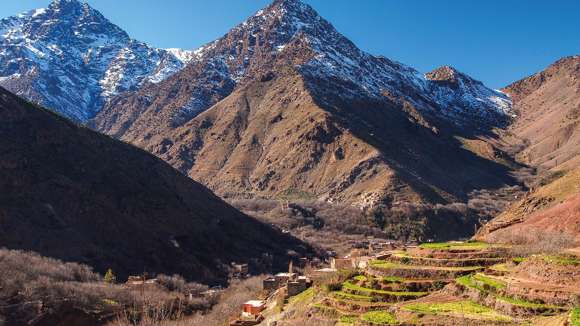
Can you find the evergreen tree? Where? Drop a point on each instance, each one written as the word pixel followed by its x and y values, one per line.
pixel 110 277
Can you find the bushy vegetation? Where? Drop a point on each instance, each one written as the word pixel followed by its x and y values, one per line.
pixel 227 305
pixel 370 292
pixel 334 225
pixel 528 304
pixel 32 285
pixel 390 265
pixel 575 317
pixel 379 318
pixel 481 282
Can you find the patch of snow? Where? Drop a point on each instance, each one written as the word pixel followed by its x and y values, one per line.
pixel 38 12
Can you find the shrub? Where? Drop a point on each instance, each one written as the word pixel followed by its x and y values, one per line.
pixel 172 283
pixel 110 277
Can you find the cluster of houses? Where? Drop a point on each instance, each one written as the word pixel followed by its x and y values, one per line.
pixel 287 284
pixel 290 283
pixel 293 283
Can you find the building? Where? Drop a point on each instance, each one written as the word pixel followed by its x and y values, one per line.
pixel 283 278
pixel 361 262
pixel 298 286
pixel 240 270
pixel 270 284
pixel 253 308
pixel 342 263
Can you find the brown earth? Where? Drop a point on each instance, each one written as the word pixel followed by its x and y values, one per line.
pixel 280 133
pixel 539 270
pixel 554 208
pixel 562 218
pixel 548 109
pixel 548 130
pixel 71 193
pixel 273 139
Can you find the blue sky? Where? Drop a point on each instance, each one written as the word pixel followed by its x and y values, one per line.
pixel 496 41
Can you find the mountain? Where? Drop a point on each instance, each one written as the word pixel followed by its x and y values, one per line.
pixel 71 193
pixel 71 59
pixel 284 105
pixel 548 108
pixel 553 208
pixel 547 129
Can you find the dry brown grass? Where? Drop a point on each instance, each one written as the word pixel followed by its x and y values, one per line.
pixel 533 241
pixel 32 285
pixel 228 307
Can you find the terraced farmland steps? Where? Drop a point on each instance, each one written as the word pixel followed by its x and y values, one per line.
pixel 470 283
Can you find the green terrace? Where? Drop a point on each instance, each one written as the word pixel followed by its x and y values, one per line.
pixel 494 287
pixel 408 259
pixel 393 279
pixel 482 282
pixel 379 318
pixel 465 308
pixel 348 319
pixel 565 260
pixel 390 265
pixel 352 297
pixel 501 268
pixel 474 245
pixel 532 305
pixel 575 317
pixel 360 290
pixel 325 308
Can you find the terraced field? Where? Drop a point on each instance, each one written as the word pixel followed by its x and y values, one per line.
pixel 470 283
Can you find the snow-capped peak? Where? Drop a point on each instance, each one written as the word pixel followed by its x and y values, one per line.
pixel 290 31
pixel 463 97
pixel 182 55
pixel 70 58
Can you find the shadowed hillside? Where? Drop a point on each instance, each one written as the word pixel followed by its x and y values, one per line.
pixel 71 193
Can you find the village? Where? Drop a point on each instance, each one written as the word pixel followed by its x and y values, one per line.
pixel 393 283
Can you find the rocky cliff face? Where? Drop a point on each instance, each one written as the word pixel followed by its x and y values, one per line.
pixel 71 59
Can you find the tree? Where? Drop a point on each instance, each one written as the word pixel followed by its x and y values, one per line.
pixel 110 277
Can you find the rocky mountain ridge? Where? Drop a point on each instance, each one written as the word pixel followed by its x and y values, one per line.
pixel 283 103
pixel 291 33
pixel 71 59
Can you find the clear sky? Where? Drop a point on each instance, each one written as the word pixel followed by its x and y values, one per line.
pixel 496 41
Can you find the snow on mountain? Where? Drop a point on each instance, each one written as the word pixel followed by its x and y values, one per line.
pixel 291 31
pixel 455 91
pixel 71 59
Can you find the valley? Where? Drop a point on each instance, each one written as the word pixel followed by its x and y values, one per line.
pixel 278 175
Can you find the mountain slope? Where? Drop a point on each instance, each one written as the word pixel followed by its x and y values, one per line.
pixel 285 104
pixel 554 207
pixel 548 109
pixel 71 193
pixel 71 59
pixel 287 33
pixel 547 105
